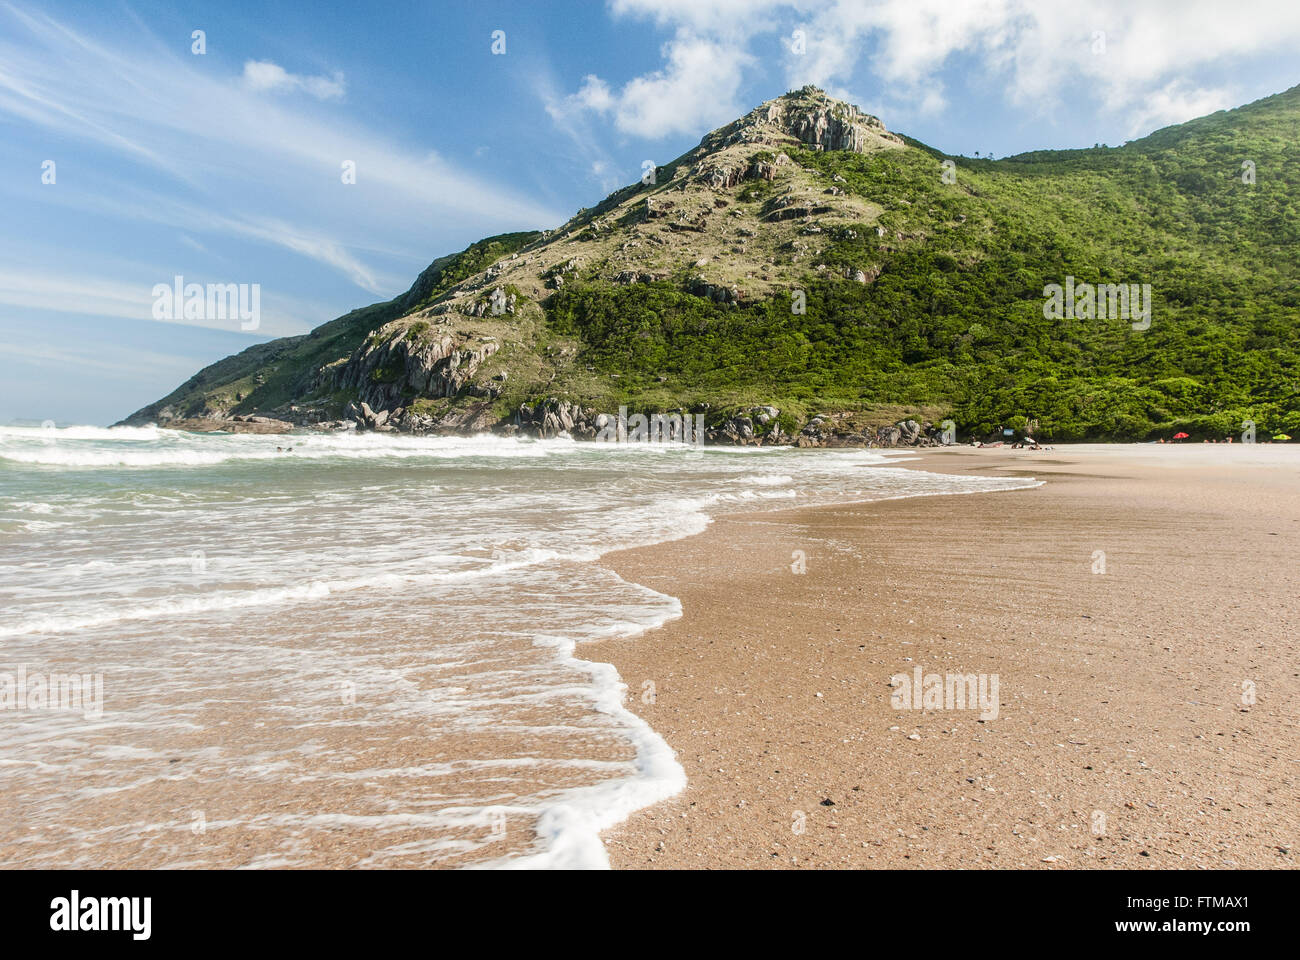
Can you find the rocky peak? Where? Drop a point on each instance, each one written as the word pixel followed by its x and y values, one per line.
pixel 811 117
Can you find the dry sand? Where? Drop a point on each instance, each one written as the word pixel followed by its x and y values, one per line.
pixel 1122 739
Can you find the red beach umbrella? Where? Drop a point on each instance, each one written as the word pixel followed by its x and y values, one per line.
pixel 1181 436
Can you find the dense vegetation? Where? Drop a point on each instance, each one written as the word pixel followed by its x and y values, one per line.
pixel 446 272
pixel 271 375
pixel 935 308
pixel 955 316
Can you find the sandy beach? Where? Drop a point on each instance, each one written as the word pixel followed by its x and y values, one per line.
pixel 1137 613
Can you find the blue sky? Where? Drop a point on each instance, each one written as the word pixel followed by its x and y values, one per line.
pixel 226 166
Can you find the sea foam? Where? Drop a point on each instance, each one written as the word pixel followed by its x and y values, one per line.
pixel 383 634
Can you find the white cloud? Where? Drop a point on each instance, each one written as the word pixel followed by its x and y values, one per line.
pixel 594 95
pixel 1151 72
pixel 241 163
pixel 1137 61
pixel 571 116
pixel 70 359
pixel 719 17
pixel 321 249
pixel 697 87
pixel 263 76
pixel 1173 103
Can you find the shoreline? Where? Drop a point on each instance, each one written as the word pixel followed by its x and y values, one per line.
pixel 1121 738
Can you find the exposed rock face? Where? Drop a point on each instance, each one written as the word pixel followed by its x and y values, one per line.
pixel 738 207
pixel 811 117
pixel 715 292
pixel 756 427
pixel 233 425
pixel 383 371
pixel 790 208
pixel 552 417
pixel 823 431
pixel 824 130
pixel 634 276
pixel 724 174
pixel 497 304
pixel 723 161
pixel 471 418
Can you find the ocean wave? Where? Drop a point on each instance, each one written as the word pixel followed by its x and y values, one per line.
pixel 765 480
pixel 307 591
pixel 57 434
pixel 174 450
pixel 420 587
pixel 571 823
pixel 31 507
pixel 151 447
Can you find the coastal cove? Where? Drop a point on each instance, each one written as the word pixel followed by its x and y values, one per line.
pixel 857 437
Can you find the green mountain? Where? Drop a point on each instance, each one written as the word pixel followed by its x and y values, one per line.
pixel 805 258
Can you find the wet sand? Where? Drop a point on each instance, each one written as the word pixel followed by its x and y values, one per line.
pixel 1125 735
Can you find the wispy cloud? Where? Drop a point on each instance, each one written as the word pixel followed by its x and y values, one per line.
pixel 32 292
pixel 263 76
pixel 573 121
pixel 1176 102
pixel 92 296
pixel 100 358
pixel 240 162
pixel 132 202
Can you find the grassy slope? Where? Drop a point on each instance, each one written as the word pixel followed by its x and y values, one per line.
pixel 955 317
pixel 270 375
pixel 952 324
